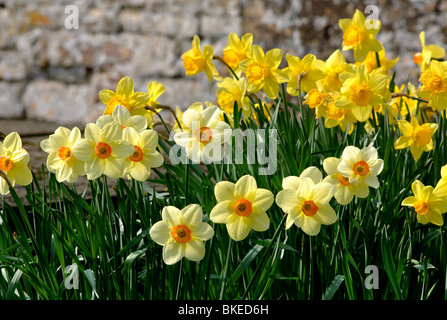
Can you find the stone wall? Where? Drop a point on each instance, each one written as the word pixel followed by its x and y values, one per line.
pixel 51 73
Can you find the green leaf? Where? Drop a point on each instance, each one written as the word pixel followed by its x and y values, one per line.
pixel 333 287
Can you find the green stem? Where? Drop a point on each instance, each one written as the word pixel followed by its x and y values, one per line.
pixel 224 276
pixel 261 263
pixel 179 281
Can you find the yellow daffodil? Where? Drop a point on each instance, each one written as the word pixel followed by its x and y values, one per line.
pixel 429 52
pixel 417 137
pixel 305 199
pixel 307 71
pixel 318 100
pixel 181 233
pixel 334 116
pixel 195 61
pixel 428 206
pixel 123 117
pixel 360 37
pixel 434 85
pixel 361 167
pixel 241 206
pixel 61 160
pixel 385 63
pixel 125 95
pixel 145 156
pixel 344 190
pixel 230 91
pixel 203 135
pixel 334 66
pixel 362 91
pixel 237 50
pixel 14 163
pixel 103 150
pixel 262 71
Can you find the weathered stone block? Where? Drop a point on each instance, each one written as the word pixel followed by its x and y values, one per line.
pixel 10 104
pixel 55 101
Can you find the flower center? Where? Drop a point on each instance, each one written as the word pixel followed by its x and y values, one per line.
pixel 242 207
pixel 315 98
pixel 193 65
pixel 233 57
pixel 422 135
pixel 361 168
pixel 5 164
pixel 418 58
pixel 137 154
pixel 353 36
pixel 343 180
pixel 181 233
pixel 103 150
pixel 204 134
pixel 335 113
pixel 256 73
pixel 64 153
pixel 361 94
pixel 435 83
pixel 421 207
pixel 309 208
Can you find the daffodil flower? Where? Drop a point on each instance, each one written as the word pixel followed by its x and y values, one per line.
pixel 61 160
pixel 14 163
pixel 230 91
pixel 304 73
pixel 237 50
pixel 334 66
pixel 125 95
pixel 103 150
pixel 241 206
pixel 181 233
pixel 196 61
pixel 361 167
pixel 358 37
pixel 344 190
pixel 145 156
pixel 417 137
pixel 434 85
pixel 203 135
pixel 429 52
pixel 428 206
pixel 305 199
pixel 262 71
pixel 362 91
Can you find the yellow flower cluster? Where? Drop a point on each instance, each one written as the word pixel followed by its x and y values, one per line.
pixel 242 206
pixel 117 146
pixel 342 93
